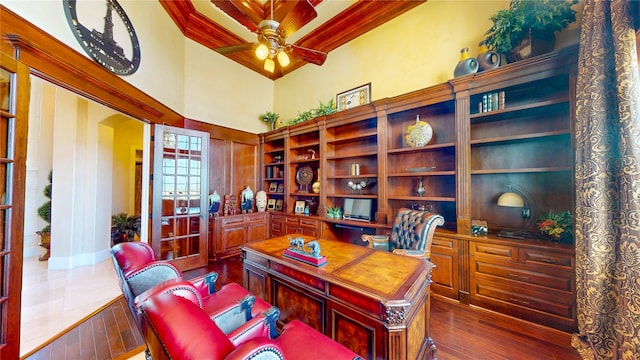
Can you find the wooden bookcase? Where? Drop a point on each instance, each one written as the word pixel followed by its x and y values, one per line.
pixel 524 141
pixel 351 159
pixel 433 164
pixel 303 153
pixel 274 172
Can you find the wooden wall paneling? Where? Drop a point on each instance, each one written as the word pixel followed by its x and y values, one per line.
pixel 234 161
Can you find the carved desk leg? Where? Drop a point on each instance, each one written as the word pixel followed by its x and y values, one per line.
pixel 433 352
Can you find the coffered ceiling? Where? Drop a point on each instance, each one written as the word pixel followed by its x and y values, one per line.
pixel 338 22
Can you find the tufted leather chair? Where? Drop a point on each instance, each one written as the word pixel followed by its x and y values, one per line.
pixel 411 235
pixel 177 328
pixel 140 275
pixel 227 312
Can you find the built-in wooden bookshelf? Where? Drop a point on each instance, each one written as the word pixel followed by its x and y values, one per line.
pixel 522 141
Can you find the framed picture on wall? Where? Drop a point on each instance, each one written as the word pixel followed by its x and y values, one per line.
pixel 354 97
pixel 299 209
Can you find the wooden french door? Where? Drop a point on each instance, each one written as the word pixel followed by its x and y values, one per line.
pixel 14 114
pixel 179 221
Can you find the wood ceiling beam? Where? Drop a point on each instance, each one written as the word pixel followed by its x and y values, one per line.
pixel 344 27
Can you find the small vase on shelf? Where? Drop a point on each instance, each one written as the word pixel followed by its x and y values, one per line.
pixel 466 65
pixel 487 59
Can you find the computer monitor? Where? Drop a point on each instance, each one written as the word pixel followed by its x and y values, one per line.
pixel 357 209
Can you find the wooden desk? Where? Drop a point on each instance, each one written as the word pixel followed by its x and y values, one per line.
pixel 373 302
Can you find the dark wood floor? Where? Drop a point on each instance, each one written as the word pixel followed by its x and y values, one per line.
pixel 459 331
pixel 110 333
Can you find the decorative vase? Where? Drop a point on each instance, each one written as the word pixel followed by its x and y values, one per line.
pixel 420 189
pixel 487 59
pixel 533 44
pixel 418 134
pixel 466 65
pixel 315 187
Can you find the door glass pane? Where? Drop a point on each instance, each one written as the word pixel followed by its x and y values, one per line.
pixel 181 173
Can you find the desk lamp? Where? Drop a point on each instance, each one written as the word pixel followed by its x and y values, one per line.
pixel 516 198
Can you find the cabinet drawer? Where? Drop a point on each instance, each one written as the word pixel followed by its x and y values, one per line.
pixel 236 220
pixel 257 218
pixel 557 281
pixel 291 220
pixel 310 223
pixel 544 258
pixel 492 290
pixel 494 251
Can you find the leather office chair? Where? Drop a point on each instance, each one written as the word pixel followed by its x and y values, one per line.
pixel 139 273
pixel 178 329
pixel 411 235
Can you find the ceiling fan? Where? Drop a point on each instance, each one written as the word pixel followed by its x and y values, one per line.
pixel 272 34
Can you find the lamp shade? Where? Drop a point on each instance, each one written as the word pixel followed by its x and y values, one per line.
pixel 510 199
pixel 262 51
pixel 283 59
pixel 269 65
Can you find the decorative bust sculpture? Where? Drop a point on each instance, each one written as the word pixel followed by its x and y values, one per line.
pixel 261 200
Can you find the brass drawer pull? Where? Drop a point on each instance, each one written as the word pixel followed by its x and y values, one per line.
pixel 493 252
pixel 548 261
pixel 520 277
pixel 519 301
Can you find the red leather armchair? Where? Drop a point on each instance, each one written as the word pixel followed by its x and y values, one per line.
pixel 230 315
pixel 138 272
pixel 178 329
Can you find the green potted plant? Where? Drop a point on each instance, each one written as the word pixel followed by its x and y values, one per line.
pixel 44 211
pixel 557 226
pixel 334 212
pixel 124 227
pixel 528 27
pixel 270 118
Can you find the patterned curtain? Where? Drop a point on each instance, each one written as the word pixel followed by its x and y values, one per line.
pixel 607 216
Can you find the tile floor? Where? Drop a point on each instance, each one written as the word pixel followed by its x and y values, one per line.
pixel 54 300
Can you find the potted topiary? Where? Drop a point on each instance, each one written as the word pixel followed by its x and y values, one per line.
pixel 44 211
pixel 124 227
pixel 528 27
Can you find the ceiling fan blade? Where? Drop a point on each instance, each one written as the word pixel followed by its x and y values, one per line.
pixel 308 55
pixel 294 15
pixel 236 10
pixel 235 48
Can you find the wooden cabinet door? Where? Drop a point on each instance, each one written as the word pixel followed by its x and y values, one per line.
pixel 180 196
pixel 232 238
pixel 257 230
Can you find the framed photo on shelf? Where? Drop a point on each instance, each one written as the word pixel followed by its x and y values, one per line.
pixel 279 203
pixel 271 204
pixel 354 97
pixel 280 188
pixel 273 186
pixel 299 209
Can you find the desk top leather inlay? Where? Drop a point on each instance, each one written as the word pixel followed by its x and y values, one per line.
pixel 379 274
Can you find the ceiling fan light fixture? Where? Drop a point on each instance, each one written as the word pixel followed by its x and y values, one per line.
pixel 262 51
pixel 269 65
pixel 283 59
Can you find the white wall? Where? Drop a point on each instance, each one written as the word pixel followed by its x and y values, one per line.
pixel 92 151
pixel 192 80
